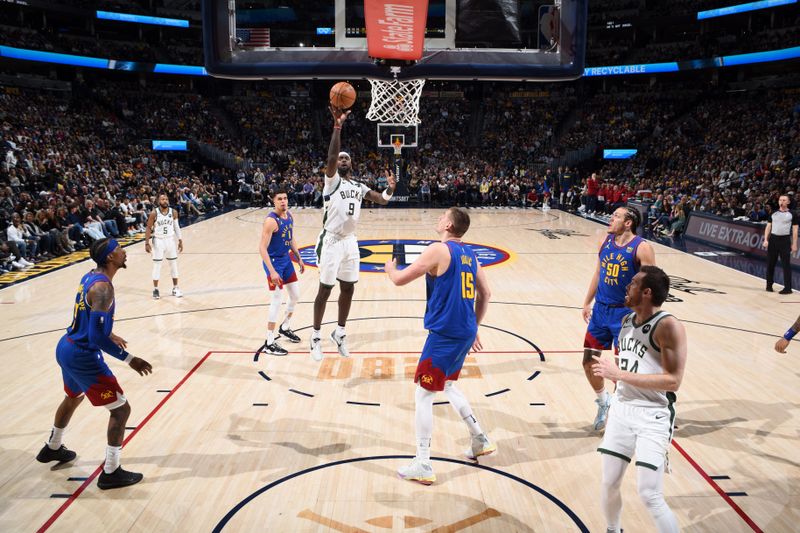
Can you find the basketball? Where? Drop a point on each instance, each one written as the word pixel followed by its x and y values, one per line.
pixel 343 95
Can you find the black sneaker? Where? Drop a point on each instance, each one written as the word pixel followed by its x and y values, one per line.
pixel 156 294
pixel 62 455
pixel 785 291
pixel 289 334
pixel 274 349
pixel 118 478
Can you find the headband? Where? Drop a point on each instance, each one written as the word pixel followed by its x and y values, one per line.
pixel 112 245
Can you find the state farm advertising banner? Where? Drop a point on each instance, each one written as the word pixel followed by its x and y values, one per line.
pixel 396 28
pixel 735 235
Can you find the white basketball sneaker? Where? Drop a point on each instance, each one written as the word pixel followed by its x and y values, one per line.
pixel 481 445
pixel 176 292
pixel 341 344
pixel 602 411
pixel 419 471
pixel 316 349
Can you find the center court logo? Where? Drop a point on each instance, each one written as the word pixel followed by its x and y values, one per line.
pixel 374 253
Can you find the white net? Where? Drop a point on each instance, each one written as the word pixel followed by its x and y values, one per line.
pixel 395 101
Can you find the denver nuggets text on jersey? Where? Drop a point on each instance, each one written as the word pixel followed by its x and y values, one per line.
pixel 618 265
pixel 281 242
pixel 278 251
pixel 617 268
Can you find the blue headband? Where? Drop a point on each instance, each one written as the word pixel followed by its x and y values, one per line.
pixel 112 245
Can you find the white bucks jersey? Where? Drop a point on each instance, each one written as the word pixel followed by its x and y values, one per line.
pixel 164 227
pixel 342 205
pixel 639 354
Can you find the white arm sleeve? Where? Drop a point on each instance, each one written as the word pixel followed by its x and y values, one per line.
pixel 330 183
pixel 177 228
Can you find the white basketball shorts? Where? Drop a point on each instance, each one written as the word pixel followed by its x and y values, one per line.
pixel 164 248
pixel 643 432
pixel 337 259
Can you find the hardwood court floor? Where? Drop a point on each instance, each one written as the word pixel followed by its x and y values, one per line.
pixel 287 444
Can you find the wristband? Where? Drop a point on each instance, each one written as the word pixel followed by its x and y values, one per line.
pixel 790 333
pixel 337 127
pixel 128 357
pixel 386 195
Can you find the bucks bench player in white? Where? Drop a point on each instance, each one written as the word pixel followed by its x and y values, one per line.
pixel 337 247
pixel 652 358
pixel 163 228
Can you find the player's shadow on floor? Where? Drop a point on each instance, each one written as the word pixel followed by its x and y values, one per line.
pixel 328 449
pixel 687 428
pixel 710 416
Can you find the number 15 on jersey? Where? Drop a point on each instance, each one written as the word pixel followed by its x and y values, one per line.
pixel 467 286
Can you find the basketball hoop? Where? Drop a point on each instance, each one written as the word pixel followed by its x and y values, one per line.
pixel 395 101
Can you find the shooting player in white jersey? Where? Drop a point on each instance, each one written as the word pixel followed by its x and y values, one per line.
pixel 337 247
pixel 652 358
pixel 163 228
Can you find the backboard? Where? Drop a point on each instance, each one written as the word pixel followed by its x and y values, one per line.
pixel 388 134
pixel 526 40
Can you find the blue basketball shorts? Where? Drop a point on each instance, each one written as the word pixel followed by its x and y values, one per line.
pixel 85 372
pixel 285 269
pixel 441 360
pixel 604 326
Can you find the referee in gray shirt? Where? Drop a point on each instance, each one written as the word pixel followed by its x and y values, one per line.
pixel 779 243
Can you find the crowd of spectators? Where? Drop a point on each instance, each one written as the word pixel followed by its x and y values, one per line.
pixel 617 119
pixel 74 167
pixel 157 115
pixel 71 173
pixel 732 156
pixel 270 125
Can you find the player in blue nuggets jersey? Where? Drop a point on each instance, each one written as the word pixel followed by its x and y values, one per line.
pixel 85 373
pixel 621 255
pixel 277 239
pixel 458 296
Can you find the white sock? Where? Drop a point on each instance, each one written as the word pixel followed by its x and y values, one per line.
pixel 285 324
pixel 423 421
pixel 340 331
pixel 601 395
pixel 462 407
pixel 54 442
pixel 270 336
pixel 112 459
pixel 424 449
pixel 315 334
